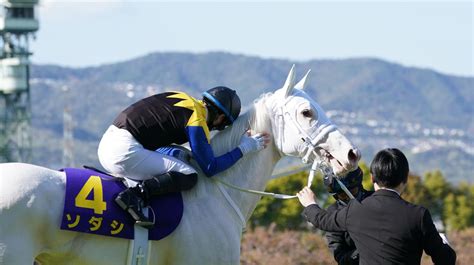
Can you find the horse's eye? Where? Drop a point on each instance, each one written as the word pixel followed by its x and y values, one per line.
pixel 307 113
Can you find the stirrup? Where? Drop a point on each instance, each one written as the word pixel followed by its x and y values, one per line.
pixel 133 206
pixel 146 223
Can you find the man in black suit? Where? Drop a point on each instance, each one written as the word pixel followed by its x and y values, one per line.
pixel 385 228
pixel 340 243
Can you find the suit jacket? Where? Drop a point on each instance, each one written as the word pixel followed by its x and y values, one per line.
pixel 340 243
pixel 386 229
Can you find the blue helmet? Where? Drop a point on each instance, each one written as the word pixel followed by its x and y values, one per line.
pixel 225 100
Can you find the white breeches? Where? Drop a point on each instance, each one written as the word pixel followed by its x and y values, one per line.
pixel 122 155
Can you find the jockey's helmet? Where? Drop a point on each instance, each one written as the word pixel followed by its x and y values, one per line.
pixel 225 100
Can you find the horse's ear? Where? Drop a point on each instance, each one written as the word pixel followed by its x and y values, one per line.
pixel 290 82
pixel 302 83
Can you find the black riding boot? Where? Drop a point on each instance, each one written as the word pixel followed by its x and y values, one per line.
pixel 167 183
pixel 131 201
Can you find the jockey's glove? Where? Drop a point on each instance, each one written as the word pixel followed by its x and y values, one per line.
pixel 252 143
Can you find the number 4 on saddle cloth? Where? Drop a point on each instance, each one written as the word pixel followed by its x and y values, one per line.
pixel 90 207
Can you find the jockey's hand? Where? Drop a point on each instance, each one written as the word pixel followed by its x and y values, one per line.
pixel 253 143
pixel 306 197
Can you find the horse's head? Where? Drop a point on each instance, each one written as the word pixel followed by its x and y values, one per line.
pixel 301 128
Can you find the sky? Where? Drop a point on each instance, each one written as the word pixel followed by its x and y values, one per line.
pixel 428 34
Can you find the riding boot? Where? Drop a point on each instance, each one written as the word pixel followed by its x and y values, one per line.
pixel 169 182
pixel 131 201
pixel 159 185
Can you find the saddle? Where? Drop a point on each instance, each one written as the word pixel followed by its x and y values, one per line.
pixel 90 208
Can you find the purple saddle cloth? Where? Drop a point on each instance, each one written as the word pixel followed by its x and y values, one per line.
pixel 90 207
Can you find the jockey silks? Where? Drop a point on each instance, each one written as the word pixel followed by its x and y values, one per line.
pixel 175 118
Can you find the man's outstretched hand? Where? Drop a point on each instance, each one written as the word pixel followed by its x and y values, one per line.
pixel 306 197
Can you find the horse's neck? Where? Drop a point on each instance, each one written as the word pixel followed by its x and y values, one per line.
pixel 255 169
pixel 254 173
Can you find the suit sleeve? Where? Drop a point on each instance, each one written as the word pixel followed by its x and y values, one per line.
pixel 202 152
pixel 334 221
pixel 433 244
pixel 341 246
pixel 342 252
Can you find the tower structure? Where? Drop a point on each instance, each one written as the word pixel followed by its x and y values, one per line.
pixel 17 25
pixel 68 136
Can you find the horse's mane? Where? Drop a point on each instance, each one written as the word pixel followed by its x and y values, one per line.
pixel 255 118
pixel 253 170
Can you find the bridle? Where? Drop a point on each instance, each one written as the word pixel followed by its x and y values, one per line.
pixel 310 146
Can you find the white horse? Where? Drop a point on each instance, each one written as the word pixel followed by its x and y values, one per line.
pixel 32 197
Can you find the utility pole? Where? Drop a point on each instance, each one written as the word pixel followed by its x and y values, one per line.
pixel 68 136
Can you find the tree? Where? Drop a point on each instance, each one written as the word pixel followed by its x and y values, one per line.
pixel 438 188
pixel 449 211
pixel 459 207
pixel 416 192
pixel 367 180
pixel 286 214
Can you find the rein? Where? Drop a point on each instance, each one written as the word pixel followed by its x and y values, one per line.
pixel 220 183
pixel 315 166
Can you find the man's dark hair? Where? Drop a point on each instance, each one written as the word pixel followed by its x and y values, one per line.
pixel 389 168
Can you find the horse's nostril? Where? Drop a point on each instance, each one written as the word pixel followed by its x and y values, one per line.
pixel 354 155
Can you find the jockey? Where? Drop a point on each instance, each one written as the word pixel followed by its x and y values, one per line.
pixel 340 243
pixel 128 147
